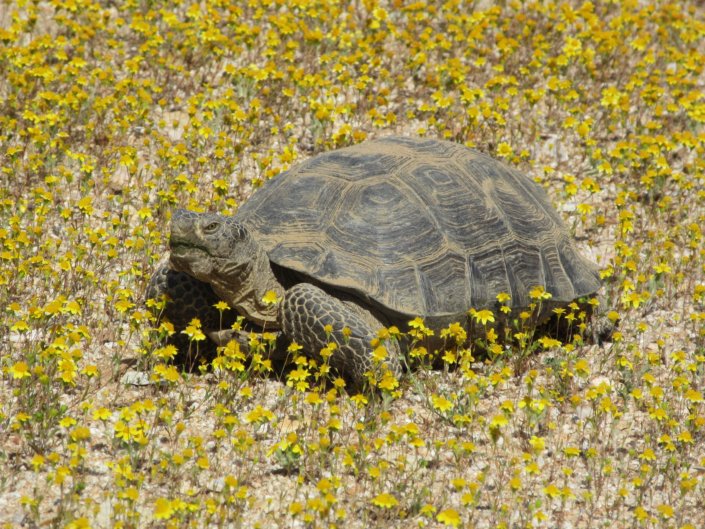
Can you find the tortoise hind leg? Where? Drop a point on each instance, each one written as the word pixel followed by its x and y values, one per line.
pixel 305 312
pixel 600 327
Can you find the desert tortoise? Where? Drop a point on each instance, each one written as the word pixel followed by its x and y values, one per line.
pixel 378 234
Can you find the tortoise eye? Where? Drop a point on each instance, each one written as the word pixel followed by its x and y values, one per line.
pixel 212 226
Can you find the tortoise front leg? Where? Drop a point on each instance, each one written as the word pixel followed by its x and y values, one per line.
pixel 306 311
pixel 189 298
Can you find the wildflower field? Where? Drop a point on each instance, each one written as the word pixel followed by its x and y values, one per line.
pixel 114 113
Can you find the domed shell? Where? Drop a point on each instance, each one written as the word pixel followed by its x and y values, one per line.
pixel 419 227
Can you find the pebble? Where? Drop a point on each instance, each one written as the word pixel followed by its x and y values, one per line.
pixel 598 381
pixel 31 336
pixel 136 378
pixel 216 485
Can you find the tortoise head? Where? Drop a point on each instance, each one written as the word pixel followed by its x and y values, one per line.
pixel 206 245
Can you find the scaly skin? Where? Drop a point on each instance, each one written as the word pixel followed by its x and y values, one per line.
pixel 220 251
pixel 189 298
pixel 306 310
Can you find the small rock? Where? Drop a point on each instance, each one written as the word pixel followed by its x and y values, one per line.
pixel 120 179
pixel 288 425
pixel 136 378
pixel 216 485
pixel 652 348
pixel 13 445
pixel 99 469
pixel 95 432
pixel 583 412
pixel 175 123
pixel 31 336
pixel 104 514
pixel 598 381
pixel 263 431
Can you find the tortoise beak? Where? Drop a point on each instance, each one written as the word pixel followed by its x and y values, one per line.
pixel 182 224
pixel 187 251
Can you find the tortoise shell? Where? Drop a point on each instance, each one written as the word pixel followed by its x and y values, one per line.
pixel 419 227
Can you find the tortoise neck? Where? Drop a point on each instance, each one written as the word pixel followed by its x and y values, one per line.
pixel 245 285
